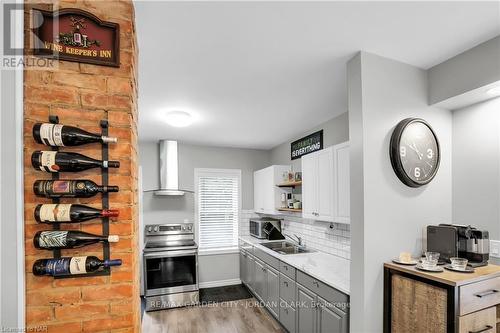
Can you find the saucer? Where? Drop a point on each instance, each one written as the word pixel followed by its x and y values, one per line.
pixel 436 269
pixel 467 269
pixel 413 262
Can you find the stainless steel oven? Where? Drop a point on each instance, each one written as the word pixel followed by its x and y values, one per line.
pixel 170 266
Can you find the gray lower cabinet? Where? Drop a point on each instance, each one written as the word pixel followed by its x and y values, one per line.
pixel 260 283
pixel 330 318
pixel 300 303
pixel 306 310
pixel 273 290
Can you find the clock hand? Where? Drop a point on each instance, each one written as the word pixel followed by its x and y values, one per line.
pixel 414 147
pixel 428 164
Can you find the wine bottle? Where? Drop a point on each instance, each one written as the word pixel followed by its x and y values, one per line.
pixel 71 265
pixel 74 188
pixel 62 239
pixel 73 213
pixel 62 135
pixel 53 161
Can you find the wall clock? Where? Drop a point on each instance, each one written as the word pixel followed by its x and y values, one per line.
pixel 414 151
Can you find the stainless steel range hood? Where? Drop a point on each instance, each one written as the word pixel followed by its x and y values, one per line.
pixel 169 170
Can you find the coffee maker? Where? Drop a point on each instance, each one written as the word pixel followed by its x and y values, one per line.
pixel 464 241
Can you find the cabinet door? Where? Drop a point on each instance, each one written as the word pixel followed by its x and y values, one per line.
pixel 273 291
pixel 306 311
pixel 243 267
pixel 260 280
pixel 324 190
pixel 342 183
pixel 258 192
pixel 250 272
pixel 331 319
pixel 480 321
pixel 268 190
pixel 309 186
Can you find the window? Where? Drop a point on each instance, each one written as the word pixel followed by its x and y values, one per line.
pixel 218 204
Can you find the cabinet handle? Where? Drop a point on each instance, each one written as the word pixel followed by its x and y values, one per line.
pixel 316 283
pixel 486 328
pixel 486 293
pixel 285 283
pixel 285 267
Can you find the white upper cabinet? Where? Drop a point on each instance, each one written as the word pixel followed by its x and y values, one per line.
pixel 325 184
pixel 342 183
pixel 266 195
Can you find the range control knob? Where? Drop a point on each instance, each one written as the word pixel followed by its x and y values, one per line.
pixel 150 228
pixel 156 228
pixel 183 227
pixel 190 227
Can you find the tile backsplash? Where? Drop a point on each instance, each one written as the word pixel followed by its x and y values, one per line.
pixel 315 234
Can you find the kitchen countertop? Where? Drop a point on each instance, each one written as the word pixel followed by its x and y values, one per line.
pixel 327 268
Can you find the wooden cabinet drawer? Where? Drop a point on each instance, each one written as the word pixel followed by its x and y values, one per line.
pixel 287 270
pixel 287 316
pixel 483 321
pixel 330 294
pixel 287 289
pixel 479 295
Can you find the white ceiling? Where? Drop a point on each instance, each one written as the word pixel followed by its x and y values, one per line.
pixel 257 74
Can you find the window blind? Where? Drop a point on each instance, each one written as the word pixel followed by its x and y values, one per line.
pixel 218 199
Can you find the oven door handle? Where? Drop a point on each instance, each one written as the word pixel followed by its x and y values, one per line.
pixel 174 253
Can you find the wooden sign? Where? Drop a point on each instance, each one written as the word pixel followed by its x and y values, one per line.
pixel 76 35
pixel 306 145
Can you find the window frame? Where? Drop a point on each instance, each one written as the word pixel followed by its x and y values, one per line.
pixel 216 172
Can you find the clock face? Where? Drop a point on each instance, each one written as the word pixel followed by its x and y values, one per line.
pixel 415 152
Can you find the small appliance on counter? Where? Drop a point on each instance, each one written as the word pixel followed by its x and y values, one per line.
pixel 464 241
pixel 258 227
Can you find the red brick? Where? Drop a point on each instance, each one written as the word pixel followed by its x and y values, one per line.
pixel 84 310
pixel 113 322
pixel 102 293
pixel 64 327
pixel 39 314
pixel 51 95
pixel 87 281
pixel 53 297
pixel 119 85
pixel 92 82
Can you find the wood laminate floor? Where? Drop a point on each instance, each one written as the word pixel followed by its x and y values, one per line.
pixel 240 316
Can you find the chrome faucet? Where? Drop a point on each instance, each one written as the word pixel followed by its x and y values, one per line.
pixel 299 239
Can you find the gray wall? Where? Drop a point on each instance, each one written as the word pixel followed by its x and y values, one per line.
pixel 388 217
pixel 335 130
pixel 11 279
pixel 165 209
pixel 474 68
pixel 476 166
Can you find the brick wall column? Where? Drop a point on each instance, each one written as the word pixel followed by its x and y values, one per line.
pixel 81 95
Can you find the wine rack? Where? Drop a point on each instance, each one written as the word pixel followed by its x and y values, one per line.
pixel 105 205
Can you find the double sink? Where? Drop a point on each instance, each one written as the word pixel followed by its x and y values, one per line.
pixel 285 247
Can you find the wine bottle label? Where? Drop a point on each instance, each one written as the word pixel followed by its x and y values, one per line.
pixel 77 265
pixel 48 161
pixel 51 134
pixel 61 186
pixel 57 266
pixel 49 239
pixel 55 212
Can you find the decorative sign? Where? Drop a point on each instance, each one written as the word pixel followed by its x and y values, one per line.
pixel 306 145
pixel 76 35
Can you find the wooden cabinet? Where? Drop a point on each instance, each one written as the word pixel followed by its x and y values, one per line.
pixel 326 184
pixel 266 194
pixel 416 301
pixel 481 321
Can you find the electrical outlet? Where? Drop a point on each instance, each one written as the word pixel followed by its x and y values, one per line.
pixel 495 248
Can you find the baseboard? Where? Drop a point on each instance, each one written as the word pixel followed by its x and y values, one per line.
pixel 219 283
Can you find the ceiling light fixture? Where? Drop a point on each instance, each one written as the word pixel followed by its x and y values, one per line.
pixel 494 91
pixel 178 118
